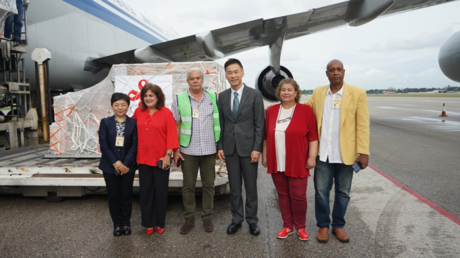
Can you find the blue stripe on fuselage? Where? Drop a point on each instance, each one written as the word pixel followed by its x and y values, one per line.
pixel 163 38
pixel 100 12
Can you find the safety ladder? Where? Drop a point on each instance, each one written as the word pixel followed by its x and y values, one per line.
pixel 12 72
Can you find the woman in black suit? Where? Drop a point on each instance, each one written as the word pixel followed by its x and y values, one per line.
pixel 118 143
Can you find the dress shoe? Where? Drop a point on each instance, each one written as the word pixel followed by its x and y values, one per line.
pixel 254 229
pixel 126 230
pixel 303 235
pixel 232 228
pixel 150 231
pixel 341 235
pixel 117 231
pixel 160 230
pixel 285 232
pixel 187 227
pixel 323 235
pixel 207 225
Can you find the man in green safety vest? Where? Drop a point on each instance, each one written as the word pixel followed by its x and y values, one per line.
pixel 198 127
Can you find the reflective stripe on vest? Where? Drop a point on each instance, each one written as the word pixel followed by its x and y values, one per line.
pixel 185 109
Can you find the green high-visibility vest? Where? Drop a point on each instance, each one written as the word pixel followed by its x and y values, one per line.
pixel 185 109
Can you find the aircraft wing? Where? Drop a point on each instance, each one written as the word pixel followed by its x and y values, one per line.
pixel 219 43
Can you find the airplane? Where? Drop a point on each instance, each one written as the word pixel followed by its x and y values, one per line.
pixel 88 37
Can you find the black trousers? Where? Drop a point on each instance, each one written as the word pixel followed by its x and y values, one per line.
pixel 119 191
pixel 153 193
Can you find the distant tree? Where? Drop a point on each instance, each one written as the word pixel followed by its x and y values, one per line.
pixel 414 90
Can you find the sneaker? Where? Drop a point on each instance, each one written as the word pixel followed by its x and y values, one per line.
pixel 207 224
pixel 285 232
pixel 303 235
pixel 187 227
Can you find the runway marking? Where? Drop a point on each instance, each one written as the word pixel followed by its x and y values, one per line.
pixel 385 107
pixel 413 109
pixel 438 111
pixel 438 123
pixel 418 196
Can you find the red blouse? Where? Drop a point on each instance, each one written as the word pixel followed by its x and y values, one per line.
pixel 300 131
pixel 156 134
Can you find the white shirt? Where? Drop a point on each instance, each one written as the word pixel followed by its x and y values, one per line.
pixel 280 137
pixel 240 91
pixel 330 131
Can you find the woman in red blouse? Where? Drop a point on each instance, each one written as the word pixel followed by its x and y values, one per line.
pixel 157 137
pixel 290 150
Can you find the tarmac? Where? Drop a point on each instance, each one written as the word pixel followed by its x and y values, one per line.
pixel 411 210
pixel 383 220
pixel 411 143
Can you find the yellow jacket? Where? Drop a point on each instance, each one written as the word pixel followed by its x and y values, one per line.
pixel 354 120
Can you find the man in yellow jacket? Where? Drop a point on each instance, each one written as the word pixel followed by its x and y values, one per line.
pixel 342 115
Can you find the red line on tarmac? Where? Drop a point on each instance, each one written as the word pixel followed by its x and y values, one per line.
pixel 418 196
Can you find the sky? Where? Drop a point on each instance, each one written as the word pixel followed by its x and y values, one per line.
pixel 399 51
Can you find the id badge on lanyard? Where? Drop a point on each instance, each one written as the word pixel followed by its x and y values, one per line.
pixel 336 101
pixel 119 141
pixel 196 113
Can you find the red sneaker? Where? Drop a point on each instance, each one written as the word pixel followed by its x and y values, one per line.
pixel 285 232
pixel 150 231
pixel 303 235
pixel 160 230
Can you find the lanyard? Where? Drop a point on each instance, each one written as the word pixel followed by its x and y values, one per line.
pixel 284 120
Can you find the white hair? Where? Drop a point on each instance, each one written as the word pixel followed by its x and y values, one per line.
pixel 192 69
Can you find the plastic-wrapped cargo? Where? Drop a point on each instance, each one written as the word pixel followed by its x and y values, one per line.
pixel 78 114
pixel 7 7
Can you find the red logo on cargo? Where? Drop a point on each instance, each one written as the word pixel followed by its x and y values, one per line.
pixel 134 94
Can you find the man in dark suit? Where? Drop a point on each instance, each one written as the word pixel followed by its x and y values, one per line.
pixel 241 112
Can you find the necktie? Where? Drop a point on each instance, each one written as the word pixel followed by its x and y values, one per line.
pixel 236 103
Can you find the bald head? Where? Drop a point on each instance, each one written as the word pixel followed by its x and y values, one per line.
pixel 334 61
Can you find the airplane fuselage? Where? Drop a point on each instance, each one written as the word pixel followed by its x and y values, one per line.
pixel 75 31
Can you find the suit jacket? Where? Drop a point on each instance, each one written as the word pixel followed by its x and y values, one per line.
pixel 246 131
pixel 354 120
pixel 110 153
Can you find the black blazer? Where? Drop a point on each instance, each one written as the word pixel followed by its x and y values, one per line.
pixel 110 153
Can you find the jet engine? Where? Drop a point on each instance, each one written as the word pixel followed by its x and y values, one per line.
pixel 449 57
pixel 268 81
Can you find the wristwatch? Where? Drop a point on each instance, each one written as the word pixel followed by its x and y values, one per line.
pixel 169 154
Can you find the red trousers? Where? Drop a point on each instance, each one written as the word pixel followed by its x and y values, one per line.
pixel 292 199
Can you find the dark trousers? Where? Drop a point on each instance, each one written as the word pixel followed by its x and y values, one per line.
pixel 325 175
pixel 292 199
pixel 241 169
pixel 153 193
pixel 119 191
pixel 207 166
pixel 17 21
